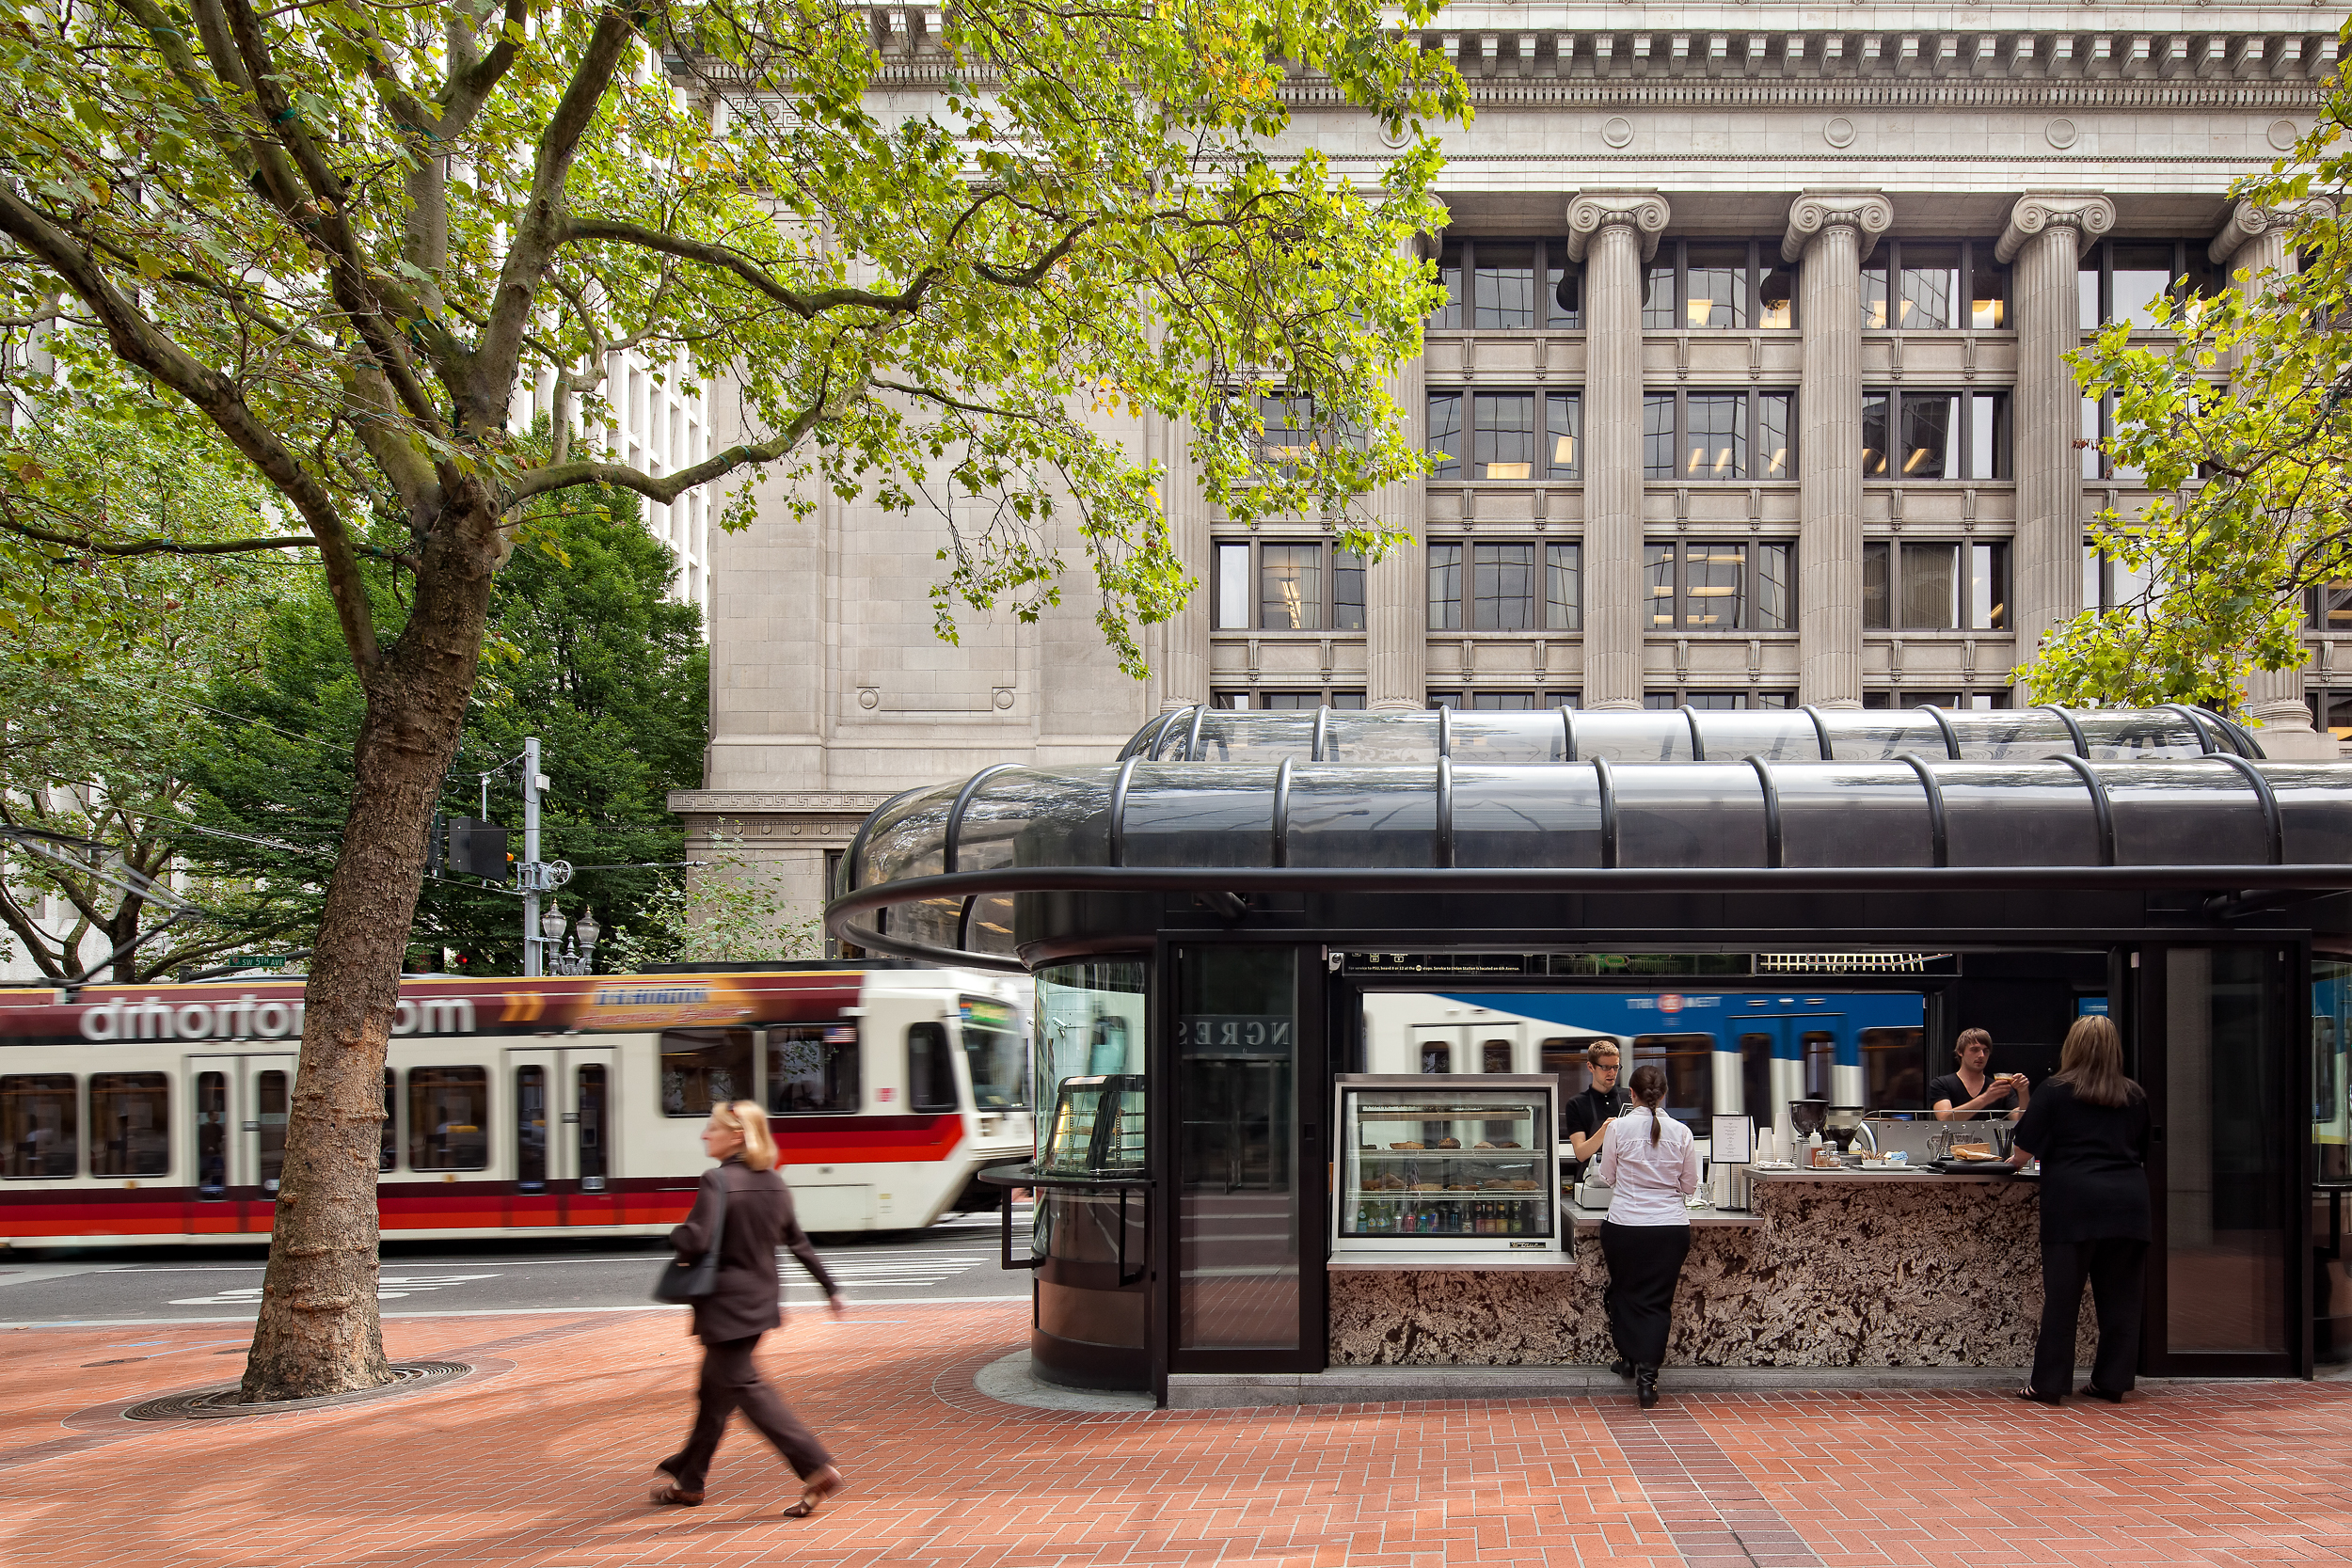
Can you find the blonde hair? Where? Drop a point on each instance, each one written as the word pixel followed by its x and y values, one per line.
pixel 745 1116
pixel 2092 1060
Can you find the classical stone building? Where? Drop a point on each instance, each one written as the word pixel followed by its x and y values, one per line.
pixel 1753 393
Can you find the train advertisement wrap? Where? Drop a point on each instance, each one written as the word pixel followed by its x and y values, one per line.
pixel 533 1107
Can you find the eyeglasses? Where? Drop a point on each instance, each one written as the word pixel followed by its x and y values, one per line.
pixel 1606 1067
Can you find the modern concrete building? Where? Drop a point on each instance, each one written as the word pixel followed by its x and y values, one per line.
pixel 1753 394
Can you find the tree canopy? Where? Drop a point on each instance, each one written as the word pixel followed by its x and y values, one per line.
pixel 2241 425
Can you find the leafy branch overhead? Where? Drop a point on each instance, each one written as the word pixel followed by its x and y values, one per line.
pixel 2238 417
pixel 346 234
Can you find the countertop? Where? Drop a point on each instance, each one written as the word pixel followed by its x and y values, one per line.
pixel 1877 1177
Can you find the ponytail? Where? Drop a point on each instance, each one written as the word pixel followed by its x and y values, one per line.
pixel 745 1116
pixel 1649 1089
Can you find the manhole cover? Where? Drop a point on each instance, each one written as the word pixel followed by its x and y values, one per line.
pixel 217 1404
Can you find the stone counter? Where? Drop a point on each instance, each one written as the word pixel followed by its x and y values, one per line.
pixel 1863 1271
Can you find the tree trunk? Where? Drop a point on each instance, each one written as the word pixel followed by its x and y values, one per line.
pixel 319 1331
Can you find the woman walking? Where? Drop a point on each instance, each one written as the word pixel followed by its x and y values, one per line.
pixel 730 1319
pixel 2088 1125
pixel 1652 1169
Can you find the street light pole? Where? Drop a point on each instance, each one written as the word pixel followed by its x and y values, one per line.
pixel 531 957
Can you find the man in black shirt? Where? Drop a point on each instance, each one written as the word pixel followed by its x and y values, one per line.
pixel 1585 1119
pixel 1971 1094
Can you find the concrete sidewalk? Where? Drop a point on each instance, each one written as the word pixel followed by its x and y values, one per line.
pixel 543 1458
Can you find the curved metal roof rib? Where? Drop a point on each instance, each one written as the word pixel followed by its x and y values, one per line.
pixel 1222 803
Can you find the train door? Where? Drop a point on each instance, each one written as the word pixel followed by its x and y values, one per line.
pixel 560 1107
pixel 1785 1056
pixel 238 1107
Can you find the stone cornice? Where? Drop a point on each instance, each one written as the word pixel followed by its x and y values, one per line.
pixel 705 803
pixel 1590 211
pixel 2250 220
pixel 2090 216
pixel 1869 212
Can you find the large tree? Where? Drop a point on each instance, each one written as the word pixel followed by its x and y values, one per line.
pixel 2241 420
pixel 340 235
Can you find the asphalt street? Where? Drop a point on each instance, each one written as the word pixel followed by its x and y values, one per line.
pixel 954 1261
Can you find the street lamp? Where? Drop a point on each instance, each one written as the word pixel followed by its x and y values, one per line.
pixel 577 956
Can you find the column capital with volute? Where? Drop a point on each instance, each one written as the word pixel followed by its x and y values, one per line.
pixel 2250 220
pixel 2087 214
pixel 1590 211
pixel 1867 212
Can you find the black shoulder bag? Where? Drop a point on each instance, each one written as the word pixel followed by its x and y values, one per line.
pixel 685 1282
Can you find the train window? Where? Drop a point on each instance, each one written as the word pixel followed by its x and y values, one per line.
pixel 813 1069
pixel 998 1055
pixel 702 1067
pixel 930 1072
pixel 130 1124
pixel 1494 1057
pixel 1893 1076
pixel 1756 1078
pixel 530 1129
pixel 388 1150
pixel 1436 1056
pixel 39 1126
pixel 1689 1061
pixel 448 1109
pixel 269 1100
pixel 1821 1056
pixel 1563 1058
pixel 592 1147
pixel 212 1134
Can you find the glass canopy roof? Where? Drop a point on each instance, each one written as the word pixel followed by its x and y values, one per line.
pixel 1225 804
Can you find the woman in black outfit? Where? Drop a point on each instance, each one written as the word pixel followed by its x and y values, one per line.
pixel 730 1319
pixel 2089 1126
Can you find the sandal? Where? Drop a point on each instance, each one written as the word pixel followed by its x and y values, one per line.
pixel 666 1497
pixel 815 1493
pixel 2028 1393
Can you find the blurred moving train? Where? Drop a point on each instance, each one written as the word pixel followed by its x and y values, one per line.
pixel 539 1107
pixel 1725 1051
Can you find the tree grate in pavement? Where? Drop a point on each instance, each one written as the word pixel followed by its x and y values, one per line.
pixel 221 1403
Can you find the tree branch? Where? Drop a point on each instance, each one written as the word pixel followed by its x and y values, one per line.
pixel 669 486
pixel 138 342
pixel 174 546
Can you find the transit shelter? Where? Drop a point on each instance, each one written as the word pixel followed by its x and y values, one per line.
pixel 1315 988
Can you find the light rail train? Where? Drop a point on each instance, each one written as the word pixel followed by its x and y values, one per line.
pixel 538 1107
pixel 1725 1051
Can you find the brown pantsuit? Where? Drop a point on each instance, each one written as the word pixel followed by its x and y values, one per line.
pixel 731 1380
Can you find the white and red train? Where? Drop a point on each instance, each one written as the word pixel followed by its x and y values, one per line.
pixel 540 1107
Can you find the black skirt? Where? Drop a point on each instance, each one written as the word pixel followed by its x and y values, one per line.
pixel 1645 1265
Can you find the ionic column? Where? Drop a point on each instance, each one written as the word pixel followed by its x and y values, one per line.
pixel 1828 233
pixel 1396 586
pixel 2043 245
pixel 1614 233
pixel 1185 647
pixel 2252 244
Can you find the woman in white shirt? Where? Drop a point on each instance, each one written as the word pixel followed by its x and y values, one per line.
pixel 1652 1162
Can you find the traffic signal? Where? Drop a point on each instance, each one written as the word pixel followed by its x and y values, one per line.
pixel 479 850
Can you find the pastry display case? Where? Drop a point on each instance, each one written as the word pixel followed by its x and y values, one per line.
pixel 1446 1168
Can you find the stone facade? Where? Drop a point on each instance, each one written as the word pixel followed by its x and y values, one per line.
pixel 2062 146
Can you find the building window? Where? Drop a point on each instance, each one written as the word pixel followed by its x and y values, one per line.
pixel 1717 700
pixel 1706 286
pixel 2109 583
pixel 1933 285
pixel 1912 435
pixel 1708 435
pixel 1285 701
pixel 1502 436
pixel 1275 585
pixel 2332 711
pixel 1729 586
pixel 1503 585
pixel 1514 286
pixel 2328 608
pixel 2098 428
pixel 1934 586
pixel 2119 278
pixel 1980 701
pixel 1503 701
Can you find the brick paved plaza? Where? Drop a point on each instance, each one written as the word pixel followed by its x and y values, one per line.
pixel 544 1461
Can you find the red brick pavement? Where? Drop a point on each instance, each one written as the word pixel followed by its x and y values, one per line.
pixel 545 1464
